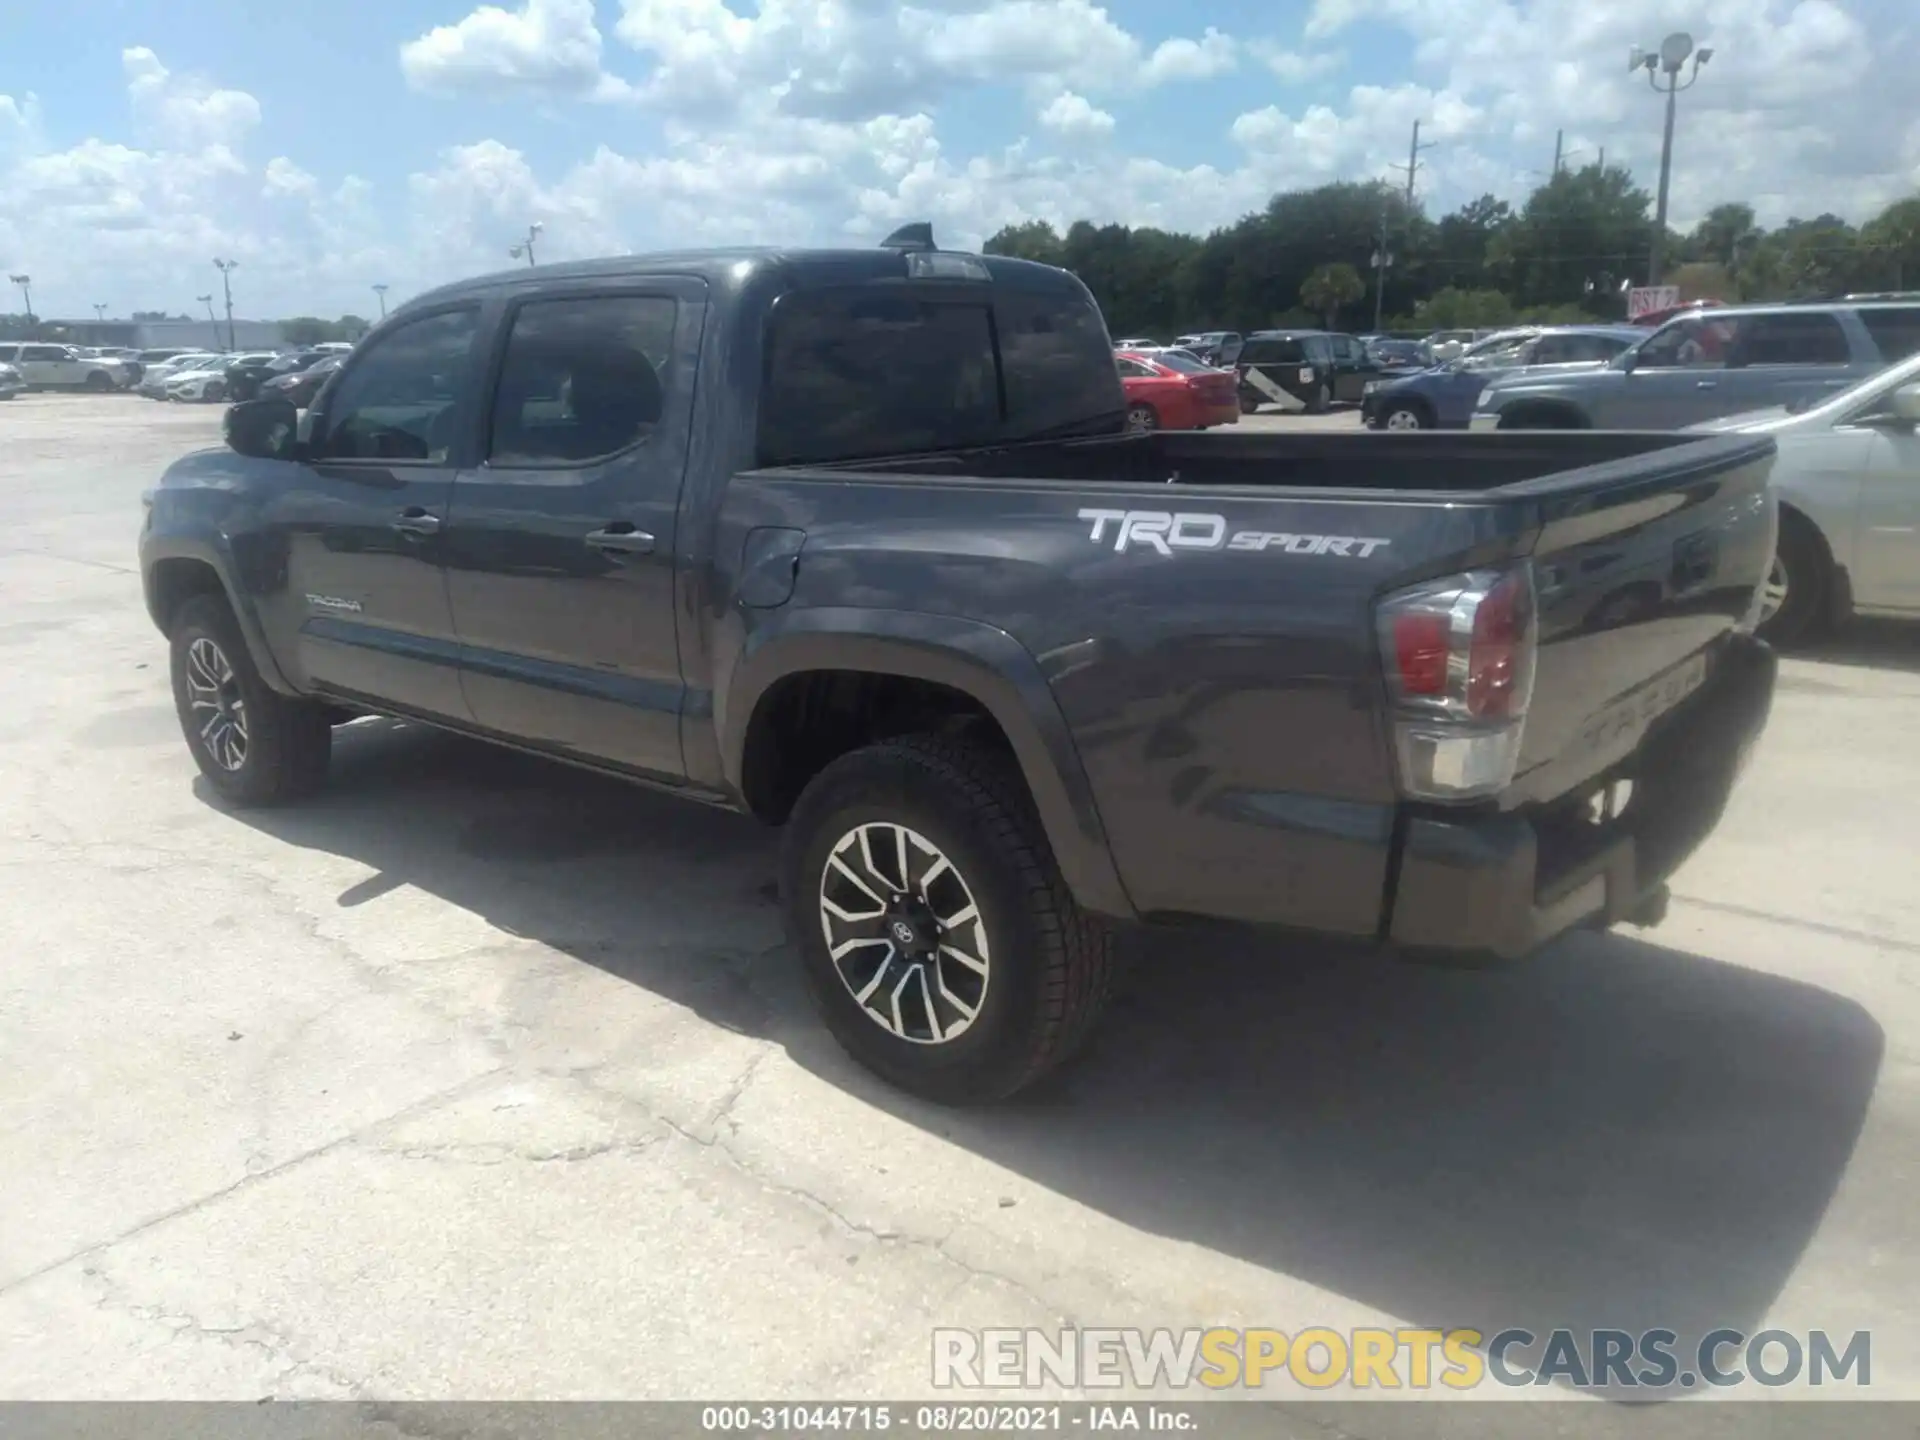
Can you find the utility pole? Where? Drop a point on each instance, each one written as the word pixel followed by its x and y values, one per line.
pixel 1412 167
pixel 381 291
pixel 25 282
pixel 227 267
pixel 1382 262
pixel 1559 148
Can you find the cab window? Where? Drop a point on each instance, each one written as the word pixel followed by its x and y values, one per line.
pixel 399 401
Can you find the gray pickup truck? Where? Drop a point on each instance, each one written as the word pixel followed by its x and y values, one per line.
pixel 852 540
pixel 1709 363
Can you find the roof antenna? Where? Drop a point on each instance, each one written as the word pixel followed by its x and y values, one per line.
pixel 917 236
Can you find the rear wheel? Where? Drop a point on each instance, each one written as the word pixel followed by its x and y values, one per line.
pixel 1322 399
pixel 215 391
pixel 1794 599
pixel 99 382
pixel 1249 404
pixel 939 942
pixel 1142 418
pixel 255 746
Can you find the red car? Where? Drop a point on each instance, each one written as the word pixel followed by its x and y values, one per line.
pixel 1172 392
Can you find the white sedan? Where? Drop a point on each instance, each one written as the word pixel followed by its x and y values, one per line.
pixel 1848 482
pixel 209 380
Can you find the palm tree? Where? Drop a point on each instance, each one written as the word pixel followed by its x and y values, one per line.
pixel 1330 287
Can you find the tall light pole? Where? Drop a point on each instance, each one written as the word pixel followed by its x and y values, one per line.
pixel 1668 60
pixel 25 282
pixel 381 291
pixel 207 300
pixel 525 247
pixel 99 312
pixel 227 267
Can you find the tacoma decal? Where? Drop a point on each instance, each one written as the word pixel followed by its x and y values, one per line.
pixel 1167 531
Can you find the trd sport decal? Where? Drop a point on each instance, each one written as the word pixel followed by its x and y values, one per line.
pixel 1168 531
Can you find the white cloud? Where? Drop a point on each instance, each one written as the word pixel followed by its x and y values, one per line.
pixel 1181 59
pixel 546 46
pixel 1297 66
pixel 181 111
pixel 1074 117
pixel 284 178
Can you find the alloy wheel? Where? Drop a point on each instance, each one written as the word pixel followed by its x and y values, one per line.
pixel 1403 420
pixel 904 933
pixel 219 709
pixel 1773 596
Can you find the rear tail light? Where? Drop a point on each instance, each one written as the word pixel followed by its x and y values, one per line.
pixel 1459 656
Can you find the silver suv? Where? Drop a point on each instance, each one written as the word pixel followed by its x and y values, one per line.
pixel 1710 363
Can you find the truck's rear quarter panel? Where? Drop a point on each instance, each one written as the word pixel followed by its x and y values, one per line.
pixel 1225 702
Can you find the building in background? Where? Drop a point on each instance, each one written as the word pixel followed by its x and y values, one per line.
pixel 154 334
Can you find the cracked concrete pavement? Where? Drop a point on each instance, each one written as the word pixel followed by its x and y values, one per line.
pixel 481 1078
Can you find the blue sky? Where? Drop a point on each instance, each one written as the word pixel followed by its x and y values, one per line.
pixel 410 141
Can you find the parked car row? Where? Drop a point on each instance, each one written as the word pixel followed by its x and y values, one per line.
pixel 63 367
pixel 215 378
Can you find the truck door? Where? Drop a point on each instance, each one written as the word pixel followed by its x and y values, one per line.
pixel 560 546
pixel 364 610
pixel 1793 357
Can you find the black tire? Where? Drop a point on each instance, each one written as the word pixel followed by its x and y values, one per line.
pixel 1808 575
pixel 1249 405
pixel 99 382
pixel 215 392
pixel 286 742
pixel 1413 417
pixel 1322 400
pixel 1142 418
pixel 1051 965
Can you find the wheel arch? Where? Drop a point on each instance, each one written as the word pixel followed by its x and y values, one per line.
pixel 983 669
pixel 175 570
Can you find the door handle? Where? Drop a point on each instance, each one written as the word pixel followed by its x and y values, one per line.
pixel 1705 384
pixel 417 522
pixel 619 540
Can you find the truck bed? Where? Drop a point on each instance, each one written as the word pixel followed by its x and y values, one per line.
pixel 1541 463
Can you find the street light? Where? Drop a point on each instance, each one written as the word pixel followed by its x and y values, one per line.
pixel 207 300
pixel 525 247
pixel 1668 60
pixel 100 312
pixel 25 282
pixel 381 291
pixel 227 267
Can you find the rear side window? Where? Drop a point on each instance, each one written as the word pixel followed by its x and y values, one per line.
pixel 1052 349
pixel 1181 363
pixel 582 379
pixel 1272 352
pixel 1896 332
pixel 863 373
pixel 1809 338
pixel 1134 370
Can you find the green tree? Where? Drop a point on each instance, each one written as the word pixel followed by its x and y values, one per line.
pixel 1033 240
pixel 1891 242
pixel 1456 309
pixel 1329 288
pixel 305 330
pixel 1578 227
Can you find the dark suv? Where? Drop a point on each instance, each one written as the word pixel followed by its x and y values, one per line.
pixel 1303 369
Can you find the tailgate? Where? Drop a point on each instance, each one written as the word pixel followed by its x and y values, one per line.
pixel 1641 568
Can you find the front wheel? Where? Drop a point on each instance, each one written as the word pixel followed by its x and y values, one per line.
pixel 254 745
pixel 215 391
pixel 99 382
pixel 939 942
pixel 1403 417
pixel 1794 598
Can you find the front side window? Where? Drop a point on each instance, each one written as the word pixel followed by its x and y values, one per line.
pixel 1134 370
pixel 852 374
pixel 399 400
pixel 1690 344
pixel 582 379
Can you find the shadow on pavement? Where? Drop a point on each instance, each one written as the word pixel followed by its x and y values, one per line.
pixel 1615 1135
pixel 1870 644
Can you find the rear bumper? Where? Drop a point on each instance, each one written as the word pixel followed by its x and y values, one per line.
pixel 1496 887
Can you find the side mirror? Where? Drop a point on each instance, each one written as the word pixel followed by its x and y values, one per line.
pixel 263 429
pixel 1905 403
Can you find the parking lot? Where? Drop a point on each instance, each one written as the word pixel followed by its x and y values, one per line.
pixel 483 1078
